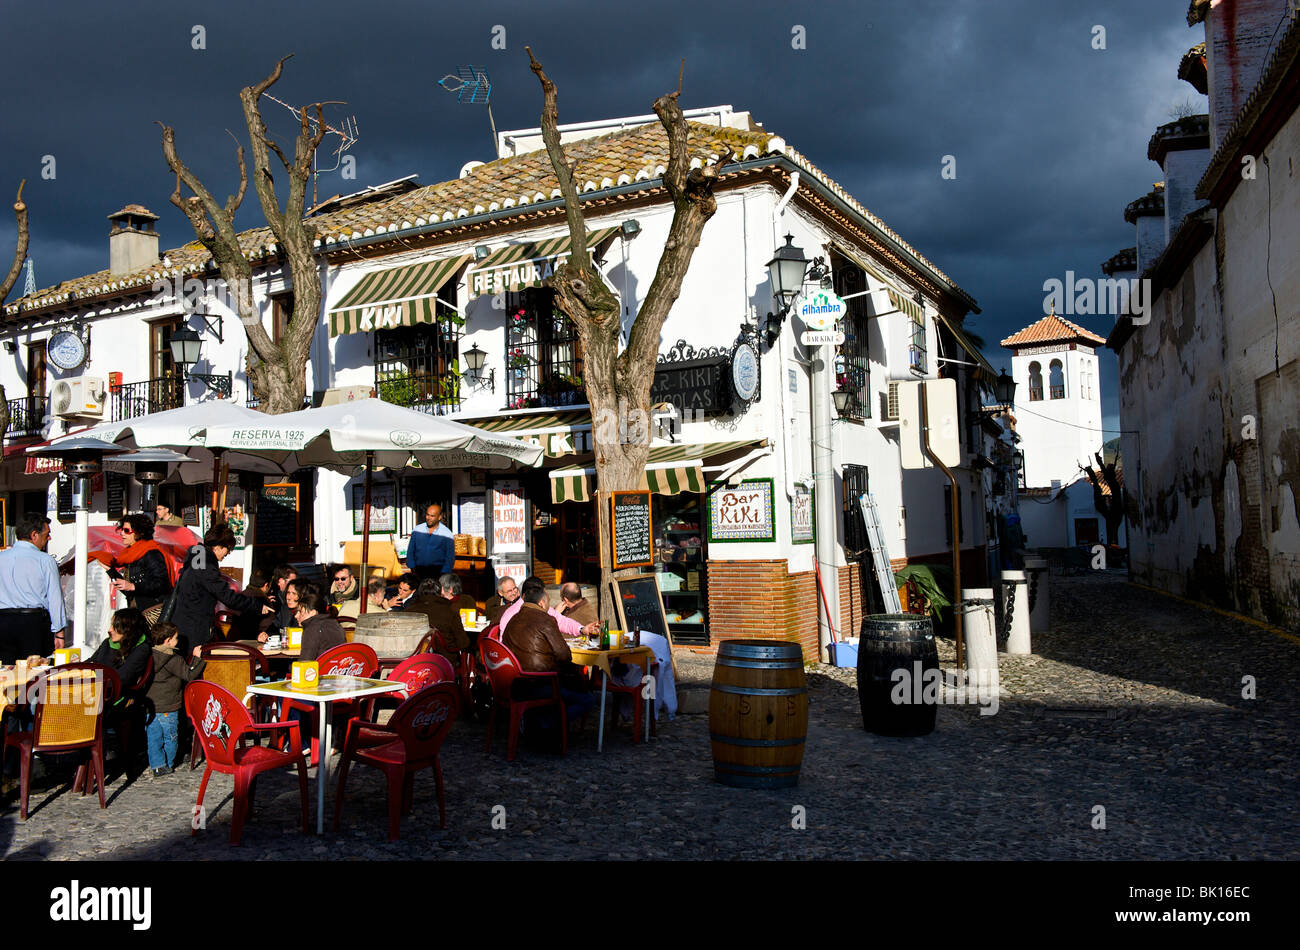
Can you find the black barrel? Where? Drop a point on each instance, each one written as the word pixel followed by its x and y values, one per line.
pixel 894 704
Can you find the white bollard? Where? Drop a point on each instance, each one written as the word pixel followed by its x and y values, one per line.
pixel 981 637
pixel 1015 612
pixel 1037 598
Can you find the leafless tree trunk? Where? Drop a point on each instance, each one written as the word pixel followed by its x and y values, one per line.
pixel 20 254
pixel 1110 507
pixel 618 384
pixel 277 371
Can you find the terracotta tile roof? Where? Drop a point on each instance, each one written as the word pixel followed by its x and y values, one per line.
pixel 1189 132
pixel 607 161
pixel 1152 204
pixel 1051 329
pixel 1126 259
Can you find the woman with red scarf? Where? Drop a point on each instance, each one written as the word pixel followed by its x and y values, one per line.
pixel 147 573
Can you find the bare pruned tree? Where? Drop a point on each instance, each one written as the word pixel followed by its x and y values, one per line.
pixel 276 370
pixel 618 384
pixel 20 254
pixel 1107 475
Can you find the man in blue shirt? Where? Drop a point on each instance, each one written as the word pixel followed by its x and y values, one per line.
pixel 32 618
pixel 431 551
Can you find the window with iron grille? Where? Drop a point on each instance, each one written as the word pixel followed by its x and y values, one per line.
pixel 916 351
pixel 855 484
pixel 852 358
pixel 543 353
pixel 418 366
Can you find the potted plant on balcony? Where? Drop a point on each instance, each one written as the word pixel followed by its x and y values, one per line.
pixel 398 388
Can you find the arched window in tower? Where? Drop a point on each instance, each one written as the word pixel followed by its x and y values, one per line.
pixel 1056 380
pixel 1035 382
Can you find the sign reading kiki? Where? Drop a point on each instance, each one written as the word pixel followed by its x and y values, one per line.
pixel 743 513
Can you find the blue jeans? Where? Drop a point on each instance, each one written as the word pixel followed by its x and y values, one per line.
pixel 161 733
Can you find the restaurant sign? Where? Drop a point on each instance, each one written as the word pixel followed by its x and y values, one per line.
pixel 743 513
pixel 695 386
pixel 821 309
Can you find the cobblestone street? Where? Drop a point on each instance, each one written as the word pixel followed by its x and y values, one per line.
pixel 1133 702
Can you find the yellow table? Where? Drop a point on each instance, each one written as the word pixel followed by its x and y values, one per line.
pixel 601 660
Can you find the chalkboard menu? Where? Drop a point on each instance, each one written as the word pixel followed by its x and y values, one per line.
pixel 631 529
pixel 277 515
pixel 116 494
pixel 640 606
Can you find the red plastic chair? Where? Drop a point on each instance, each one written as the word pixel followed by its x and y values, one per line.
pixel 638 704
pixel 233 666
pixel 429 643
pixel 503 671
pixel 222 724
pixel 71 702
pixel 346 659
pixel 417 672
pixel 408 743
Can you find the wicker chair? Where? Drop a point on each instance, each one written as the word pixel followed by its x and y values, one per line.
pixel 70 704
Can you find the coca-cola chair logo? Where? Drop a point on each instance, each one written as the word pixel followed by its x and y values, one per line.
pixel 427 719
pixel 214 721
pixel 495 658
pixel 346 666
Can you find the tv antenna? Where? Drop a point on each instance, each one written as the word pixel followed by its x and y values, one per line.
pixel 472 87
pixel 347 133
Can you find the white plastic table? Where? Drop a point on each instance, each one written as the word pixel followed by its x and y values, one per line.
pixel 330 690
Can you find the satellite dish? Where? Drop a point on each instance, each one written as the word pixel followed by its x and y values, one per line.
pixel 468 168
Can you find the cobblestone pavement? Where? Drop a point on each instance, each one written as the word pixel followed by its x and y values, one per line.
pixel 1133 702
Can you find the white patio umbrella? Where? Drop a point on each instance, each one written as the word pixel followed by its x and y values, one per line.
pixel 369 432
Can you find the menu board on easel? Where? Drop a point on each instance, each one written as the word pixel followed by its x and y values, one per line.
pixel 640 606
pixel 277 515
pixel 630 534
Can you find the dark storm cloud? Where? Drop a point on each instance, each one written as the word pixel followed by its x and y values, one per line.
pixel 1048 134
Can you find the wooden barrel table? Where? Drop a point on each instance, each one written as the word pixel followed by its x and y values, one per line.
pixel 758 713
pixel 898 703
pixel 391 634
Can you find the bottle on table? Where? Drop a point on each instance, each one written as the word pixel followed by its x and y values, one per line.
pixel 604 634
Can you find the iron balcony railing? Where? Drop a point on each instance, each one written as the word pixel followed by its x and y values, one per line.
pixel 1058 392
pixel 433 393
pixel 133 400
pixel 27 415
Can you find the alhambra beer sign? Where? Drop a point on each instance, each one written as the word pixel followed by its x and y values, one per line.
pixel 821 309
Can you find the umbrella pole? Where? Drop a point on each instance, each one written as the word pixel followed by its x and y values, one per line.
pixel 216 482
pixel 363 582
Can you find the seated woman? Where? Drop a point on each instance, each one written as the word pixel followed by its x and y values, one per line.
pixel 319 630
pixel 147 571
pixel 127 649
pixel 286 615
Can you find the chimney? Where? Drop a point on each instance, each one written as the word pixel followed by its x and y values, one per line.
pixel 1148 213
pixel 133 243
pixel 1182 150
pixel 1238 40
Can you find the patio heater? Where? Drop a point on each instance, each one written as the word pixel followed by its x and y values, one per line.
pixel 82 460
pixel 149 467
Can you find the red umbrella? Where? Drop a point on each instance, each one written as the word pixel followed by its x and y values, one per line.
pixel 105 544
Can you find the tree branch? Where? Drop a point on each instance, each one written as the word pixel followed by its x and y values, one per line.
pixel 20 249
pixel 568 190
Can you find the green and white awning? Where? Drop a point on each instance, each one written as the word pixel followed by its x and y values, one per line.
pixel 526 265
pixel 397 297
pixel 907 305
pixel 558 433
pixel 670 470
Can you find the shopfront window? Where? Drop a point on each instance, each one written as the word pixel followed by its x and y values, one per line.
pixel 681 557
pixel 852 358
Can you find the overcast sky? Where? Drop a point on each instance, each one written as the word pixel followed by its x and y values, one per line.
pixel 1048 134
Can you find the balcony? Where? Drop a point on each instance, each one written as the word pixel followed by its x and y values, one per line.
pixel 1057 392
pixel 435 394
pixel 133 400
pixel 27 416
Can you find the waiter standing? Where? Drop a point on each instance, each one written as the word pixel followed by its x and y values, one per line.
pixel 32 618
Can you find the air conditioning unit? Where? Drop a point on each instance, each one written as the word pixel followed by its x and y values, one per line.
pixel 891 402
pixel 78 398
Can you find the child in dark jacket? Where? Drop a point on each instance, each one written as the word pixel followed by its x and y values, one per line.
pixel 171 672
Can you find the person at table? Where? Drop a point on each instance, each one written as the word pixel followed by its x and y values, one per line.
pixel 533 636
pixel 171 672
pixel 32 616
pixel 320 631
pixel 431 550
pixel 574 606
pixel 434 600
pixel 407 585
pixel 201 586
pixel 127 648
pixel 344 587
pixel 293 590
pixel 568 626
pixel 507 593
pixel 459 599
pixel 376 595
pixel 165 518
pixel 280 578
pixel 146 571
pixel 251 623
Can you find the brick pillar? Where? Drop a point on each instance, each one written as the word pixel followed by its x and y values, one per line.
pixel 762 600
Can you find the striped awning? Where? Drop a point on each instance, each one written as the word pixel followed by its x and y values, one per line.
pixel 559 433
pixel 984 370
pixel 526 265
pixel 397 297
pixel 670 469
pixel 896 297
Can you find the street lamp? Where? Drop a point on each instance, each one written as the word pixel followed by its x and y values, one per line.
pixel 474 360
pixel 843 399
pixel 82 459
pixel 1005 389
pixel 785 272
pixel 186 348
